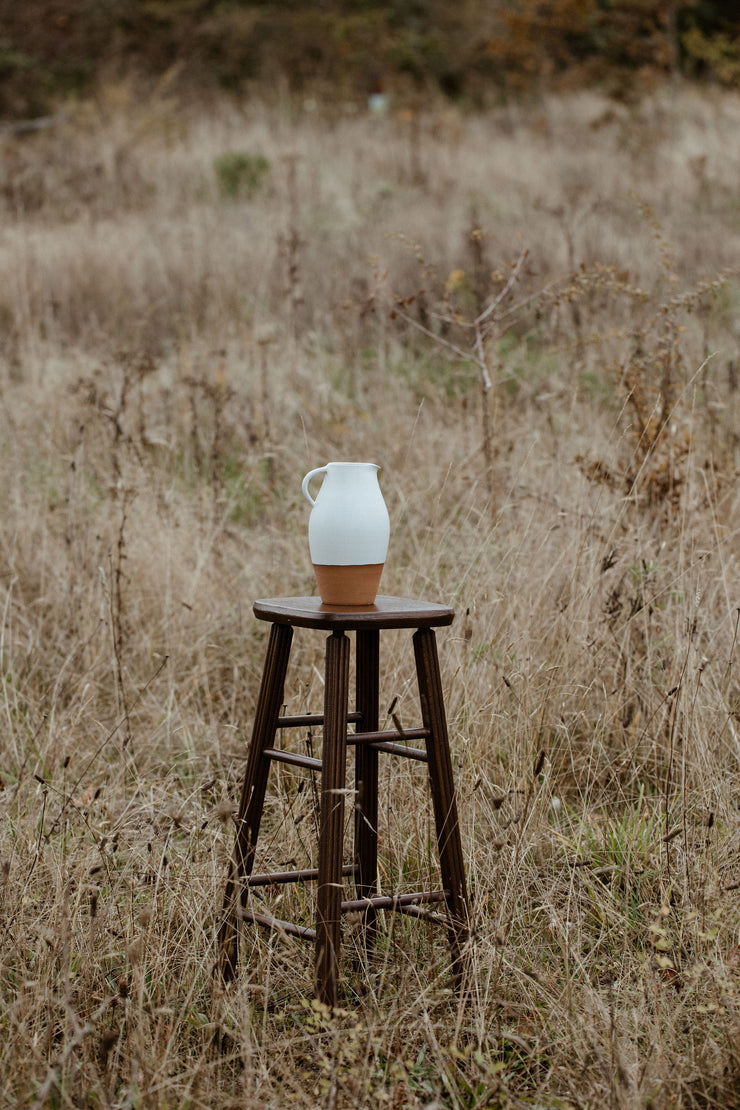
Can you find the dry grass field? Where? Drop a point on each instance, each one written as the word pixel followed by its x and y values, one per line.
pixel 198 306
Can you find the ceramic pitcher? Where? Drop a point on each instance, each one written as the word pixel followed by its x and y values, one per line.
pixel 348 532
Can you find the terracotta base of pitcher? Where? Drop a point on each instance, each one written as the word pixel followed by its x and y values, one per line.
pixel 355 585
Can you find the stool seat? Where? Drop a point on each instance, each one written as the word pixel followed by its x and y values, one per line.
pixel 368 743
pixel 387 612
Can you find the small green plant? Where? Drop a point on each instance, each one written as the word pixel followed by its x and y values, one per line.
pixel 240 174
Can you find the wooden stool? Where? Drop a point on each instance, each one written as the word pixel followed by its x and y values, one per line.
pixel 285 614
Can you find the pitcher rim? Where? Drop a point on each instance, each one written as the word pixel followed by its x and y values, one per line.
pixel 376 465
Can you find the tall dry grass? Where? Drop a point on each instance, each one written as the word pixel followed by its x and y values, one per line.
pixel 173 360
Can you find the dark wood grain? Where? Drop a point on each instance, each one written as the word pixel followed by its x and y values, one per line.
pixel 387 612
pixel 267 921
pixel 331 826
pixel 443 793
pixel 304 875
pixel 368 740
pixel 252 802
pixel 366 774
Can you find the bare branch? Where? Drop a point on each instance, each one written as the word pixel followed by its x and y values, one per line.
pixel 513 276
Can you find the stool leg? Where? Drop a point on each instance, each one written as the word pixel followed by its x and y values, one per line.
pixel 366 776
pixel 443 791
pixel 252 801
pixel 331 830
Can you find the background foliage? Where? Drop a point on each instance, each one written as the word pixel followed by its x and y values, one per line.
pixel 473 50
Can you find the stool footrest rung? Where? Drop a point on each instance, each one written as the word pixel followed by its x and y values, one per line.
pixel 311 720
pixel 387 734
pixel 269 922
pixel 387 741
pixel 393 749
pixel 307 875
pixel 393 901
pixel 296 760
pixel 384 741
pixel 412 904
pixel 424 914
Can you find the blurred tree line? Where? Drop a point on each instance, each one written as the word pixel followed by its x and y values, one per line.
pixel 473 50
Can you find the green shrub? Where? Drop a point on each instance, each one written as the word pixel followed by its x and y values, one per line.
pixel 240 174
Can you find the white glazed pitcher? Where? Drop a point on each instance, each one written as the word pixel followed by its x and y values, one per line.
pixel 348 532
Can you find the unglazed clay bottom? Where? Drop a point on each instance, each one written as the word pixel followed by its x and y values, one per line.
pixel 354 585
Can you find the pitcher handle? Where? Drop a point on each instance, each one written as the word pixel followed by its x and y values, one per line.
pixel 304 487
